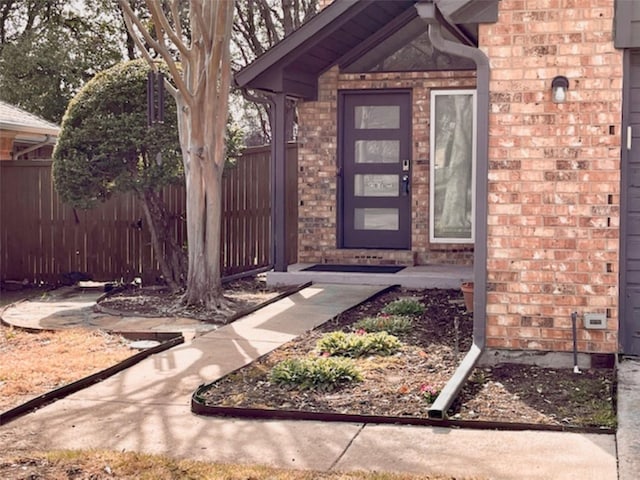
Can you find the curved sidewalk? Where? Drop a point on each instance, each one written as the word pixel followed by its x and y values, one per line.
pixel 147 408
pixel 71 307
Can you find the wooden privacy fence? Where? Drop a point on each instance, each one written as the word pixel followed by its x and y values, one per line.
pixel 42 239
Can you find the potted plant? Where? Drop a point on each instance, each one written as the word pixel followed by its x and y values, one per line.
pixel 467 293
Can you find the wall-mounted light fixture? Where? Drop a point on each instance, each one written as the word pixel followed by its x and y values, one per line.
pixel 559 87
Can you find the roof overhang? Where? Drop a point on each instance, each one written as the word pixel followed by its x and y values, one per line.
pixel 27 131
pixel 347 30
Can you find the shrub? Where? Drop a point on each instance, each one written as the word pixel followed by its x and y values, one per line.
pixel 405 307
pixel 392 324
pixel 323 373
pixel 358 344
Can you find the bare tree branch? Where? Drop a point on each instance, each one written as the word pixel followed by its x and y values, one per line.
pixel 175 14
pixel 137 41
pixel 162 23
pixel 197 12
pixel 130 20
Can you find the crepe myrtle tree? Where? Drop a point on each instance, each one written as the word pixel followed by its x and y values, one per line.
pixel 106 146
pixel 197 53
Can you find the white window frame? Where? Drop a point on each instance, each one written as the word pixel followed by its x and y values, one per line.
pixel 432 167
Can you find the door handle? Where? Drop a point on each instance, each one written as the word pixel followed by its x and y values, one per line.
pixel 405 185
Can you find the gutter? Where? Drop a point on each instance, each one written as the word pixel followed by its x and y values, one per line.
pixel 431 14
pixel 44 143
pixel 8 126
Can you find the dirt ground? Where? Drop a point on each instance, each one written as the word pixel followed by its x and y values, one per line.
pixel 240 295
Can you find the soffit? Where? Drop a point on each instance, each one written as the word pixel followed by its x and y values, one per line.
pixel 342 33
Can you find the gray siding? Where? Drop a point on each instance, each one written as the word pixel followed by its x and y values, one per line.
pixel 630 241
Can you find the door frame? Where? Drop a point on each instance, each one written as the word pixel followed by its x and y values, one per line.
pixel 340 177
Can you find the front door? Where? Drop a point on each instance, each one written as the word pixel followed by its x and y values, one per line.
pixel 630 262
pixel 375 167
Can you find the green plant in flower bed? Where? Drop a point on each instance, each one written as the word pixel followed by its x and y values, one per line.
pixel 429 392
pixel 358 344
pixel 404 306
pixel 320 373
pixel 392 324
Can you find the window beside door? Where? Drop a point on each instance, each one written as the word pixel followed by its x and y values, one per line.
pixel 452 166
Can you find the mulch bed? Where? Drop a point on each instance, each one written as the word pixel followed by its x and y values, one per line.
pixel 157 301
pixel 394 386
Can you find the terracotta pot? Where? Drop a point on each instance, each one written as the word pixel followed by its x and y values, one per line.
pixel 467 293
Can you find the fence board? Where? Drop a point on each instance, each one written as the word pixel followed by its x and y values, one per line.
pixel 41 238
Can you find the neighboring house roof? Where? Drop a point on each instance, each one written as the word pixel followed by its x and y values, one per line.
pixel 26 126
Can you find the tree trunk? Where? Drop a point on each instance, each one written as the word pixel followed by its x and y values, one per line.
pixel 203 176
pixel 173 261
pixel 201 90
pixel 204 198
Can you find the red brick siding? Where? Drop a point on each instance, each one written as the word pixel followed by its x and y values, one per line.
pixel 554 174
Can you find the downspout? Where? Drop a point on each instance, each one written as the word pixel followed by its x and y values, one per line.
pixel 431 14
pixel 44 143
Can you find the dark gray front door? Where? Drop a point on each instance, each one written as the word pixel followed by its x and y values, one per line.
pixel 630 260
pixel 375 163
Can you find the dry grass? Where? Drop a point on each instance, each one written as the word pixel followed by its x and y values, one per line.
pixel 35 363
pixel 98 465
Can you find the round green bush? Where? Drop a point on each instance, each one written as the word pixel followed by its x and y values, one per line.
pixel 105 144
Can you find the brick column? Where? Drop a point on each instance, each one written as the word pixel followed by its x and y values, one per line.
pixel 6 145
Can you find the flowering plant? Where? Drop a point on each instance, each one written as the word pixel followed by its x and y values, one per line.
pixel 429 392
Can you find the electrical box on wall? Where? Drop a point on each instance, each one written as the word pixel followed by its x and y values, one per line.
pixel 595 320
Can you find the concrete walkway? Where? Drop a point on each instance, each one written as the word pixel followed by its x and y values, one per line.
pixel 628 434
pixel 146 408
pixel 71 307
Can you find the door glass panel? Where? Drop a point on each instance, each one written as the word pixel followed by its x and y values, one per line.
pixel 377 151
pixel 376 219
pixel 377 116
pixel 376 185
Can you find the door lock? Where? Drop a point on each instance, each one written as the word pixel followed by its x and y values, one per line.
pixel 406 165
pixel 405 185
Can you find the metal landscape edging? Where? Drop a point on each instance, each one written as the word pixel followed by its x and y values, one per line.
pixel 199 408
pixel 66 390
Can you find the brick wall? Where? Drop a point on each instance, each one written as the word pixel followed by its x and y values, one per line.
pixel 318 162
pixel 554 177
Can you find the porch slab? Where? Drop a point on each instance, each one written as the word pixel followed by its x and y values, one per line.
pixel 422 276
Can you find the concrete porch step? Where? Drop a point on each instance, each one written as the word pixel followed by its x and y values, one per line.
pixel 423 276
